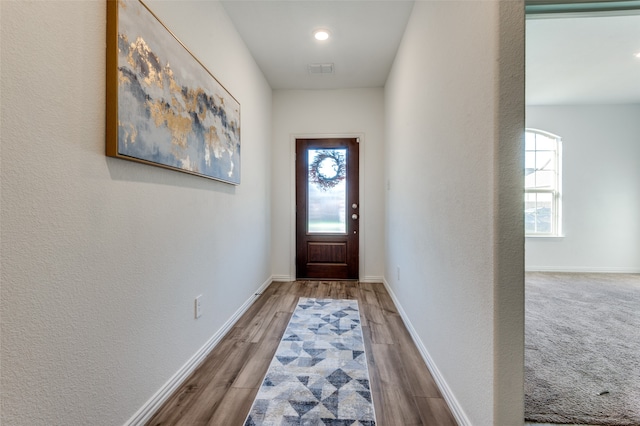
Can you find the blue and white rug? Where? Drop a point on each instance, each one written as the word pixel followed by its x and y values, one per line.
pixel 319 374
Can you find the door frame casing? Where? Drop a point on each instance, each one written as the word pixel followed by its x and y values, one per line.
pixel 292 194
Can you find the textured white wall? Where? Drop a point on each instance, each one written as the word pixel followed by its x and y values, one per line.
pixel 601 189
pixel 454 124
pixel 102 258
pixel 333 112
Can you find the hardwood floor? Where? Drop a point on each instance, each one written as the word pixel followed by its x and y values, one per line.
pixel 220 392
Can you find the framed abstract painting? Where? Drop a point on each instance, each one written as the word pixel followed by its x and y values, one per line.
pixel 164 107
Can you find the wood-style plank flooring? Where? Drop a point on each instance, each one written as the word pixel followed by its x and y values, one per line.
pixel 221 390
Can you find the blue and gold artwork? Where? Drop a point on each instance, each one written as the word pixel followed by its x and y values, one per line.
pixel 171 111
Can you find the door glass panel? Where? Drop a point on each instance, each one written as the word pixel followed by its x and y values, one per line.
pixel 327 191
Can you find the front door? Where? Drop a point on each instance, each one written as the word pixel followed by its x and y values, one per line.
pixel 327 208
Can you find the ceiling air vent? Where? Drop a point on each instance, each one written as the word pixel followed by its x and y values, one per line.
pixel 321 69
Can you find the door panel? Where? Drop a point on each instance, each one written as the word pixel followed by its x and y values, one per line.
pixel 327 208
pixel 318 252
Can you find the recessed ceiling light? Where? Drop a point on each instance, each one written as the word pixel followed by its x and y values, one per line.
pixel 637 55
pixel 321 35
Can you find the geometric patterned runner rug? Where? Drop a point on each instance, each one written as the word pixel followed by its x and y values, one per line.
pixel 319 373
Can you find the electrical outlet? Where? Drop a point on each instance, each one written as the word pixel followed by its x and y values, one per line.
pixel 198 307
pixel 398 272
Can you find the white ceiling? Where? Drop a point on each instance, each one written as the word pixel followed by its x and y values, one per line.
pixel 583 60
pixel 365 35
pixel 570 60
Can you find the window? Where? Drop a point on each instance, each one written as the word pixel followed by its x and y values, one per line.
pixel 542 184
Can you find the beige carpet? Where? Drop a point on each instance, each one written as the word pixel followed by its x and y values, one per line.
pixel 582 348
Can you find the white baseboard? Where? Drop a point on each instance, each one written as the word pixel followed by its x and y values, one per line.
pixel 604 270
pixel 155 402
pixel 447 393
pixel 371 279
pixel 287 278
pixel 282 278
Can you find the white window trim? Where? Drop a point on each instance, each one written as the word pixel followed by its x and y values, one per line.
pixel 557 229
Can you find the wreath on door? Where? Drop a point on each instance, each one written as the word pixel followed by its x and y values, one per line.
pixel 328 169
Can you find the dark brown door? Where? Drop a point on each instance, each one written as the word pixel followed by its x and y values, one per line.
pixel 327 208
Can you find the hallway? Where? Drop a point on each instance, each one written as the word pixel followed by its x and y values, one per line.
pixel 222 389
pixel 102 259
